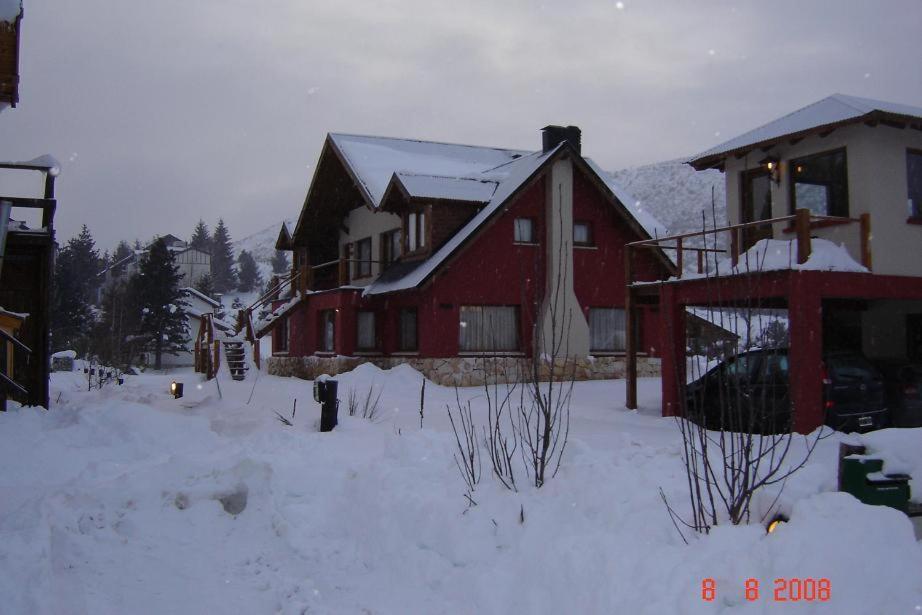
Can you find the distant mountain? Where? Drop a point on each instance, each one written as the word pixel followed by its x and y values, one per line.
pixel 261 245
pixel 676 194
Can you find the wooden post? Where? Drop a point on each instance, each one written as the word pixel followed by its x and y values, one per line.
pixel 343 271
pixel 630 366
pixel 678 256
pixel 866 241
pixel 802 227
pixel 216 362
pixel 734 246
pixel 700 261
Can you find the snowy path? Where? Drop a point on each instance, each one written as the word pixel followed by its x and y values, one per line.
pixel 128 501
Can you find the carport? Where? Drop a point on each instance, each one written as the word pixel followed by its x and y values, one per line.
pixel 805 292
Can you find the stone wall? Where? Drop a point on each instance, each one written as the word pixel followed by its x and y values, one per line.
pixel 465 371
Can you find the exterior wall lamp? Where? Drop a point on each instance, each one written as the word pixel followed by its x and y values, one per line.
pixel 773 166
pixel 176 389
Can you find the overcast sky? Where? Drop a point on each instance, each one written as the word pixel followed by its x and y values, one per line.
pixel 165 111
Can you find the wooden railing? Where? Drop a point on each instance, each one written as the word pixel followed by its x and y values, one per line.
pixel 802 222
pixel 207 348
pixel 7 384
pixel 343 276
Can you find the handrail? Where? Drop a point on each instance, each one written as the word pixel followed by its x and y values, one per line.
pixel 12 383
pixel 15 341
pixel 282 283
pixel 802 220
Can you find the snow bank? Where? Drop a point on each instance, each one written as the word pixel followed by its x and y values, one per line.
pixel 780 254
pixel 127 500
pixel 65 354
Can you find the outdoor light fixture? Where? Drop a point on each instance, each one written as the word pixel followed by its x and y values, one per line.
pixel 773 166
pixel 775 523
pixel 176 389
pixel 121 381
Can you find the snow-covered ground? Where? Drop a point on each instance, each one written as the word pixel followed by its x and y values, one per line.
pixel 125 500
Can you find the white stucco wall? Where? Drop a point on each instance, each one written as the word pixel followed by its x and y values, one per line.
pixel 363 222
pixel 877 184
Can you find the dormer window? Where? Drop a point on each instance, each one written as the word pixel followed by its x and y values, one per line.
pixel 416 231
pixel 390 247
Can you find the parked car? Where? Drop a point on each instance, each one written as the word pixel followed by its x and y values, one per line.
pixel 747 392
pixel 751 392
pixel 903 384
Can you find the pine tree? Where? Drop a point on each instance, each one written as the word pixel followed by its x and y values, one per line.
pixel 112 341
pixel 86 263
pixel 155 289
pixel 280 262
pixel 71 318
pixel 249 276
pixel 201 238
pixel 222 260
pixel 205 285
pixel 122 251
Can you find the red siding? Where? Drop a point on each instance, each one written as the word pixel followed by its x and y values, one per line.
pixel 492 270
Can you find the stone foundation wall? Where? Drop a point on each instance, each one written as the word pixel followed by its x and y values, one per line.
pixel 465 371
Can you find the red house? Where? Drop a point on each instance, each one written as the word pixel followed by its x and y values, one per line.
pixel 439 255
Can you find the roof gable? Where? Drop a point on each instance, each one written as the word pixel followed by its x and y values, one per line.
pixel 830 111
pixel 374 160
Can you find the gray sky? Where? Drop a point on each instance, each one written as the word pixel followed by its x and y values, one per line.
pixel 164 111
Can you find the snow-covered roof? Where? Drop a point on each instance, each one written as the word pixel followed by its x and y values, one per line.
pixel 831 110
pixel 412 274
pixel 471 189
pixel 374 160
pixel 467 173
pixel 194 293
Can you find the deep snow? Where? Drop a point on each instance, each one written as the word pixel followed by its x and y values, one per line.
pixel 125 500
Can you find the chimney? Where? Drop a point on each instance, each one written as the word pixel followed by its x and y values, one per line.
pixel 551 136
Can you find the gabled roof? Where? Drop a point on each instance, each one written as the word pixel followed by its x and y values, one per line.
pixel 283 241
pixel 374 160
pixel 510 178
pixel 829 112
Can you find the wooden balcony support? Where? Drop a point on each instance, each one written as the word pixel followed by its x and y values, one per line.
pixel 802 228
pixel 865 222
pixel 630 363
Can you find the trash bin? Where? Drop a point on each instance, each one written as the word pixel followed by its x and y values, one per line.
pixel 864 478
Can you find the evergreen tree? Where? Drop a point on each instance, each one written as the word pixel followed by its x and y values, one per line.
pixel 280 262
pixel 201 238
pixel 120 316
pixel 71 317
pixel 86 262
pixel 249 276
pixel 222 260
pixel 205 285
pixel 155 290
pixel 122 251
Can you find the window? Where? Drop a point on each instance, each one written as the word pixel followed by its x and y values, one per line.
pixel 582 234
pixel 281 336
pixel 914 181
pixel 820 183
pixel 524 230
pixel 407 330
pixel 362 264
pixel 606 329
pixel 365 339
pixel 488 328
pixel 328 330
pixel 416 231
pixel 390 246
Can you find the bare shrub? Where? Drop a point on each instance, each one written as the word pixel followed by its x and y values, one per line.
pixel 367 407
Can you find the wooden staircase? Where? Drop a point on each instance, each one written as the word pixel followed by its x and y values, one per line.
pixel 236 356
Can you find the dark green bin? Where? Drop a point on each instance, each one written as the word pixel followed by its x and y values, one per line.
pixel 863 477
